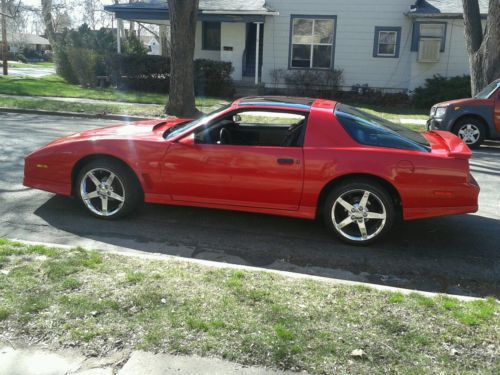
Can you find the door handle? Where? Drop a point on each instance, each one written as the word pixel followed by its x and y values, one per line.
pixel 285 161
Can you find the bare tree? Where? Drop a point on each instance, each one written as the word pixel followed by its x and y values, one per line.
pixel 483 48
pixel 183 15
pixel 5 46
pixel 48 21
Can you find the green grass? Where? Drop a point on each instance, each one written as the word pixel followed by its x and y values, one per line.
pixel 93 300
pixel 44 65
pixel 91 109
pixel 57 87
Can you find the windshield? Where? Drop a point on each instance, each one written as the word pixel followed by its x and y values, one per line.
pixel 186 126
pixel 375 131
pixel 487 91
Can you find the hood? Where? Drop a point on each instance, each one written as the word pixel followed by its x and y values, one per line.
pixel 464 101
pixel 139 129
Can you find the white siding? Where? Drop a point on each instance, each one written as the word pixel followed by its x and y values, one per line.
pixel 200 53
pixel 233 34
pixel 453 61
pixel 356 21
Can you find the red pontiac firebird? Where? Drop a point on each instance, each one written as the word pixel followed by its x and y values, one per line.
pixel 295 157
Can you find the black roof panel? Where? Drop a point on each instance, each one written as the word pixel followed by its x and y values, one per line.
pixel 278 101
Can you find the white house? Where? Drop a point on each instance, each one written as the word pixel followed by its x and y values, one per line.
pixel 386 44
pixel 152 44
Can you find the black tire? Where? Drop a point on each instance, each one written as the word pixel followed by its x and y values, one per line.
pixel 124 185
pixel 464 126
pixel 379 203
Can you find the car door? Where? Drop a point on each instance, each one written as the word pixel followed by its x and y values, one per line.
pixel 261 176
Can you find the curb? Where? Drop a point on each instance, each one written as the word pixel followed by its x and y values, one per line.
pixel 124 251
pixel 75 114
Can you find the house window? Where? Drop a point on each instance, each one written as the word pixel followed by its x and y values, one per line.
pixel 312 42
pixel 210 36
pixel 426 30
pixel 387 41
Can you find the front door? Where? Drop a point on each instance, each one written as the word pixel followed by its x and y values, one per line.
pixel 251 49
pixel 235 162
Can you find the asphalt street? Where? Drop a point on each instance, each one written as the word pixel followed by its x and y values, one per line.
pixel 458 254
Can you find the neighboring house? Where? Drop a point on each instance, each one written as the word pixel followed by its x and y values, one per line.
pixel 152 44
pixel 386 44
pixel 18 42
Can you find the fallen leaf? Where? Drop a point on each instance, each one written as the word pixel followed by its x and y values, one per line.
pixel 359 353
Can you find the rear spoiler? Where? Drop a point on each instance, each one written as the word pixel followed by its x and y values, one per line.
pixel 456 147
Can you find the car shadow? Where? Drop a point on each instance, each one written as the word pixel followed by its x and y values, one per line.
pixel 457 255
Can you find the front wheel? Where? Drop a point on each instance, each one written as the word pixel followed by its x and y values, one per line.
pixel 359 213
pixel 108 189
pixel 470 131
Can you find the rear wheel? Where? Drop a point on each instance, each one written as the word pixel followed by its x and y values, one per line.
pixel 359 212
pixel 471 131
pixel 108 189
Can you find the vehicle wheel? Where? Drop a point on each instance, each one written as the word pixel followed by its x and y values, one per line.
pixel 471 131
pixel 108 189
pixel 359 212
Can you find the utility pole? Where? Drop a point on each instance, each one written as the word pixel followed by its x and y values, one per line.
pixel 5 50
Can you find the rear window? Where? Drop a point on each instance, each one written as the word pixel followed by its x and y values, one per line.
pixel 375 131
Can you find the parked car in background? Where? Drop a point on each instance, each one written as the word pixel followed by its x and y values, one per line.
pixel 296 157
pixel 473 119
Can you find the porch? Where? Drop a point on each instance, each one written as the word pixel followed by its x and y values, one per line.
pixel 233 35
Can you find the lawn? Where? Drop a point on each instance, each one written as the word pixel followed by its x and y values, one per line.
pixel 128 109
pixel 56 86
pixel 44 65
pixel 99 302
pixel 394 113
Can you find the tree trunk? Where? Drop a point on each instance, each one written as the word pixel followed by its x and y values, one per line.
pixel 5 45
pixel 49 23
pixel 183 14
pixel 484 51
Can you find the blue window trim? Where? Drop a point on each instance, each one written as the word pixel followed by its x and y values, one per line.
pixel 416 34
pixel 316 17
pixel 378 29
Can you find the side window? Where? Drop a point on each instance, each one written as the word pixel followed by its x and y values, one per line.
pixel 387 40
pixel 255 128
pixel 369 133
pixel 426 31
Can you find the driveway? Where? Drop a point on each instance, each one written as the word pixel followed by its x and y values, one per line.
pixel 31 72
pixel 459 254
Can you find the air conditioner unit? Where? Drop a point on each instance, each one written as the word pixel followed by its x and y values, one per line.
pixel 429 50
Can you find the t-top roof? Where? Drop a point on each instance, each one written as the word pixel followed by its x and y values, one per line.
pixel 278 101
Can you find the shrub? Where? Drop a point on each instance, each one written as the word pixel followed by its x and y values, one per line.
pixel 213 78
pixel 22 58
pixel 63 66
pixel 304 82
pixel 151 73
pixel 439 88
pixel 84 62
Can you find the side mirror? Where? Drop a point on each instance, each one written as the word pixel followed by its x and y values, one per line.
pixel 236 118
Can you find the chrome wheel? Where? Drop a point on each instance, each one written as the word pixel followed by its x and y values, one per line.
pixel 102 192
pixel 359 215
pixel 469 133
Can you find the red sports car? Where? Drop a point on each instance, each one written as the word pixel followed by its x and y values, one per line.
pixel 295 157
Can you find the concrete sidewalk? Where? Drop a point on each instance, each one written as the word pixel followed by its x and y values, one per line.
pixel 34 361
